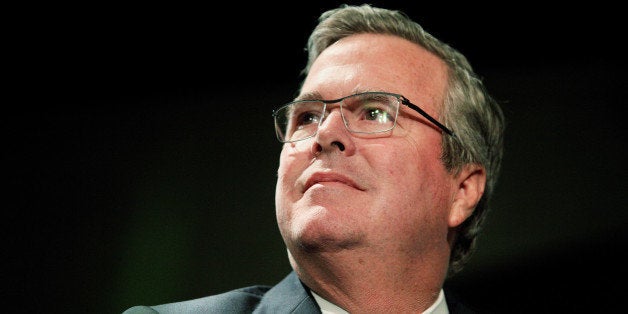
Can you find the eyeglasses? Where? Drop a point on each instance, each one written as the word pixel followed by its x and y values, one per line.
pixel 368 113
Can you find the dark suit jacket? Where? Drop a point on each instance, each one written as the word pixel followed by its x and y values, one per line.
pixel 289 296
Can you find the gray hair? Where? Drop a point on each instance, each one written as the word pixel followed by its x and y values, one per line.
pixel 473 115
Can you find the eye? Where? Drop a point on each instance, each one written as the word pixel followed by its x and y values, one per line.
pixel 373 109
pixel 306 118
pixel 305 114
pixel 377 114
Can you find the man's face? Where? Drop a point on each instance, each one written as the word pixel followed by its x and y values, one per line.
pixel 340 191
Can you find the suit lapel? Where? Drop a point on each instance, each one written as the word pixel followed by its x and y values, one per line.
pixel 288 296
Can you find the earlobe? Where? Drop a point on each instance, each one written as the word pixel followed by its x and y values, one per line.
pixel 470 188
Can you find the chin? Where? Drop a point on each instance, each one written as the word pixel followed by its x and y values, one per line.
pixel 320 235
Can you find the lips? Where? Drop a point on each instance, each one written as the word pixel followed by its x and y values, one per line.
pixel 321 177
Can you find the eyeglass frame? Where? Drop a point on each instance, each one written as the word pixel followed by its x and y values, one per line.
pixel 402 100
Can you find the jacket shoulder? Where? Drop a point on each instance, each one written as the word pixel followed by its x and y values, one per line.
pixel 242 300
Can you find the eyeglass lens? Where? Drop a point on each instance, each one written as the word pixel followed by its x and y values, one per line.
pixel 361 113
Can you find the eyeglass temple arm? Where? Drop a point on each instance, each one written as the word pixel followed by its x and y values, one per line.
pixel 427 116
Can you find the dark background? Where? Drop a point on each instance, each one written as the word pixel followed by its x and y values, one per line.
pixel 141 159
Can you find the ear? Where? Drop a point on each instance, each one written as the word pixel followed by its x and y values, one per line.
pixel 470 184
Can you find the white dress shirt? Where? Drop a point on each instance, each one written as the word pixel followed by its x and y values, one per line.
pixel 439 307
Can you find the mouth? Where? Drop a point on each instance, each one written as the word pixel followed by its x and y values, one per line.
pixel 329 177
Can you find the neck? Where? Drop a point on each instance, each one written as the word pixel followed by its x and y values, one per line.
pixel 382 284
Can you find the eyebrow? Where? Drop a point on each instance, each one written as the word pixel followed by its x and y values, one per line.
pixel 317 96
pixel 309 96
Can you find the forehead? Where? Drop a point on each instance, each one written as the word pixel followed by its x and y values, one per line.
pixel 378 62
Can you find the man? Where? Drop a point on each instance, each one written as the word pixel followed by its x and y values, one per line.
pixel 391 152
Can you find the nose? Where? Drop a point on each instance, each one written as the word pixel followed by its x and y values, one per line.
pixel 333 135
pixel 332 120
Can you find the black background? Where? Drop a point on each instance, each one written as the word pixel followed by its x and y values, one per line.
pixel 141 159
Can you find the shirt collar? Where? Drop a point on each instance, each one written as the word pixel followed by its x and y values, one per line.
pixel 439 307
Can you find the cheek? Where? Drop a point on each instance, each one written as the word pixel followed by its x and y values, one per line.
pixel 398 166
pixel 410 176
pixel 284 173
pixel 283 187
pixel 292 162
